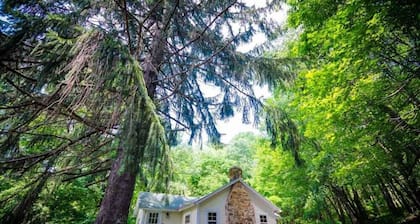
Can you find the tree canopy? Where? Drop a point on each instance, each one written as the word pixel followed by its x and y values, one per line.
pixel 94 96
pixel 350 118
pixel 88 88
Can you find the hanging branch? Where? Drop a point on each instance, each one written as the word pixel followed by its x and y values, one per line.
pixel 33 159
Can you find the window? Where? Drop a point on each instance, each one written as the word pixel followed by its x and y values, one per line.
pixel 153 218
pixel 263 219
pixel 187 219
pixel 212 218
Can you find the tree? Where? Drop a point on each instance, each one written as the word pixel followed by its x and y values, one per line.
pixel 108 90
pixel 198 172
pixel 354 96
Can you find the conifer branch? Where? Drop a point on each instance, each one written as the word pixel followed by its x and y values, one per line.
pixel 168 20
pixel 199 35
pixel 34 159
pixel 173 119
pixel 17 73
pixel 94 171
pixel 127 27
pixel 203 62
pixel 69 112
pixel 25 132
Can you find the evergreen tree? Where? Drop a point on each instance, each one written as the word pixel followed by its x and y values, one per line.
pixel 85 80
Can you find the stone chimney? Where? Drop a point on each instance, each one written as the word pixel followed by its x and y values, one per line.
pixel 238 208
pixel 235 173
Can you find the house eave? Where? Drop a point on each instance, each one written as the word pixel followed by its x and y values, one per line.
pixel 276 210
pixel 160 209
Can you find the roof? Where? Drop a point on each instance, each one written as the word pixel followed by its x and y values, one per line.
pixel 169 202
pixel 163 202
pixel 205 198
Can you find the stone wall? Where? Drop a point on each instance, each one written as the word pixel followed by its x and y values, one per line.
pixel 239 208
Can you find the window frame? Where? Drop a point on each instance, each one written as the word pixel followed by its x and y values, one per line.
pixel 189 219
pixel 210 215
pixel 263 217
pixel 153 218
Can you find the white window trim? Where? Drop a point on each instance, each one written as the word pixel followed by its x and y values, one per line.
pixel 159 220
pixel 185 217
pixel 259 218
pixel 217 216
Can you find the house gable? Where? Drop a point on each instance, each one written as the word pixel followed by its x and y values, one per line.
pixel 233 203
pixel 214 205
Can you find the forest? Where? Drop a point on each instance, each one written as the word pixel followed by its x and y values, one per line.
pixel 101 100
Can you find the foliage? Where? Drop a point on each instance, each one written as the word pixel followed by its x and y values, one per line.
pixel 198 172
pixel 282 182
pixel 64 144
pixel 87 84
pixel 351 114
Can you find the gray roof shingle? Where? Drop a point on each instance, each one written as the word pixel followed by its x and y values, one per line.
pixel 165 202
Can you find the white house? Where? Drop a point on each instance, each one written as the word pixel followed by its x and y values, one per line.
pixel 233 203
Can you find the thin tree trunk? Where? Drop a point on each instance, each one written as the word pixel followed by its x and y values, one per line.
pixel 352 205
pixel 407 194
pixel 388 198
pixel 337 205
pixel 360 208
pixel 329 215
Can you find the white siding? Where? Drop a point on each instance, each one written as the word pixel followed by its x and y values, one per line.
pixel 171 218
pixel 261 208
pixel 164 217
pixel 214 204
pixel 144 215
pixel 140 216
pixel 193 215
pixel 217 204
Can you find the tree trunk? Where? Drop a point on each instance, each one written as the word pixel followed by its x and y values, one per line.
pixel 352 205
pixel 327 209
pixel 388 198
pixel 407 193
pixel 361 211
pixel 115 205
pixel 116 202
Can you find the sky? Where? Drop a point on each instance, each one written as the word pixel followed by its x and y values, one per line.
pixel 233 126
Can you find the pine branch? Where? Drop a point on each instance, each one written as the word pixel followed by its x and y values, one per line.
pixel 21 161
pixel 237 89
pixel 34 180
pixel 22 105
pixel 88 173
pixel 98 181
pixel 174 119
pixel 205 61
pixel 127 28
pixel 199 35
pixel 69 112
pixel 36 134
pixel 168 20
